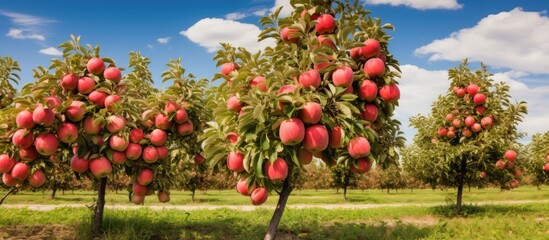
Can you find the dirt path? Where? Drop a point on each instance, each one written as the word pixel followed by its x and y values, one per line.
pixel 42 207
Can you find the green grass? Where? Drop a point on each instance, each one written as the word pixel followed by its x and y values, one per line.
pixel 229 197
pixel 528 221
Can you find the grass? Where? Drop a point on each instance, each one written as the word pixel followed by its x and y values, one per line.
pixel 528 221
pixel 229 197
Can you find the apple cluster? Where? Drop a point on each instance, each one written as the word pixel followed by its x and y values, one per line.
pixel 546 166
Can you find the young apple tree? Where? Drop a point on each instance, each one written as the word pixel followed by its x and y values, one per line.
pixel 324 89
pixel 538 158
pixel 470 135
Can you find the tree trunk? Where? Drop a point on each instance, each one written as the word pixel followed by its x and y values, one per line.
pixel 193 193
pixel 461 180
pixel 282 200
pixel 345 183
pixel 7 194
pixel 97 223
pixel 387 190
pixel 54 191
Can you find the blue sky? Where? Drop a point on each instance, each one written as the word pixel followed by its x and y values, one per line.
pixel 511 36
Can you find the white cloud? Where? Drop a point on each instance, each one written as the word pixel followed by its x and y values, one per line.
pixel 419 4
pixel 20 34
pixel 209 32
pixel 261 12
pixel 24 19
pixel 150 46
pixel 236 16
pixel 163 40
pixel 51 51
pixel 516 39
pixel 286 7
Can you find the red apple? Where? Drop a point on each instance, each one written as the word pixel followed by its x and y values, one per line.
pixel 500 164
pixel 145 177
pixel 510 155
pixel 316 138
pixel 163 197
pixel 232 137
pixel 482 175
pixel 235 161
pixel 242 187
pixel 289 35
pixel 311 113
pixel 472 89
pixel 43 116
pixel 368 90
pixel 199 159
pixel 46 144
pixel 259 82
pixel 229 67
pixel 53 102
pixel 480 109
pixel 278 170
pixel 136 135
pixel 96 66
pixel 9 181
pixel 456 123
pixel 234 104
pixel 389 93
pixel 100 167
pixel 310 78
pixel 546 167
pixel 24 119
pixel 359 147
pixel 479 99
pixel 343 77
pixel 75 112
pixel 97 98
pixel 363 165
pixel 356 53
pixel 449 117
pixel 162 121
pixel 67 133
pixel 90 128
pixel 119 157
pixel 113 74
pixel 20 171
pixel 6 163
pixel 304 156
pixel 133 151
pixel 312 17
pixel 469 121
pixel 119 143
pixel 291 132
pixel 139 189
pixel 150 154
pixel 259 196
pixel 460 92
pixel 476 127
pixel 467 132
pixel 486 122
pixel 162 152
pixel 185 129
pixel 158 137
pixel 79 165
pixel 370 112
pixel 181 116
pixel 325 24
pixel 69 81
pixel 371 48
pixel 86 85
pixel 325 41
pixel 374 67
pixel 336 137
pixel 37 178
pixel 116 123
pixel 110 101
pixel 451 134
pixel 442 132
pixel 21 140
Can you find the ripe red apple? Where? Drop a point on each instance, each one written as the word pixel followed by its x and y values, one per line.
pixel 24 119
pixel 199 159
pixel 510 155
pixel 133 151
pixel 97 98
pixel 79 165
pixel 229 67
pixel 43 116
pixel 46 144
pixel 304 156
pixel 75 112
pixel 278 170
pixel 546 167
pixel 460 92
pixel 9 181
pixel 312 17
pixel 310 78
pixel 150 154
pixel 311 113
pixel 325 41
pixel 119 157
pixel 370 112
pixel 163 197
pixel 67 133
pixel 316 138
pixel 116 123
pixel 90 128
pixel 20 171
pixel 291 131
pixel 53 102
pixel 242 187
pixel 113 74
pixel 343 77
pixel 389 93
pixel 235 161
pixel 96 66
pixel 349 90
pixel 476 127
pixel 145 177
pixel 170 107
pixel 449 117
pixel 486 122
pixel 37 178
pixel 469 121
pixel 356 53
pixel 374 67
pixel 479 99
pixel 514 183
pixel 69 81
pixel 136 135
pixel 86 85
pixel 518 172
pixel 181 116
pixel 100 167
pixel 371 48
pixel 118 143
pixel 359 147
pixel 185 128
pixel 139 189
pixel 6 163
pixel 162 152
pixel 467 132
pixel 363 165
pixel 368 90
pixel 21 140
pixel 451 134
pixel 289 35
pixel 158 137
pixel 234 104
pixel 337 136
pixel 111 100
pixel 472 89
pixel 232 137
pixel 442 132
pixel 259 196
pixel 162 121
pixel 259 82
pixel 482 175
pixel 138 199
pixel 480 109
pixel 456 123
pixel 500 164
pixel 325 24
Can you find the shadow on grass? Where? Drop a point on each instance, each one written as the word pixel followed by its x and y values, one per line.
pixel 475 210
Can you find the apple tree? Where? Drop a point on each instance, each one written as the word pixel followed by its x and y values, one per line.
pixel 8 77
pixel 326 88
pixel 538 158
pixel 471 134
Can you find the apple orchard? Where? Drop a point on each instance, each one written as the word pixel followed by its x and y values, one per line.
pixel 327 89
